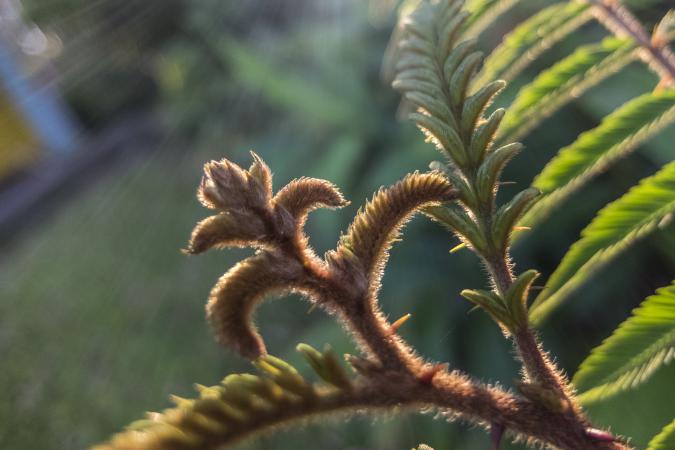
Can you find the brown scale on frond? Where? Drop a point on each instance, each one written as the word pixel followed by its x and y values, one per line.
pixel 378 223
pixel 235 297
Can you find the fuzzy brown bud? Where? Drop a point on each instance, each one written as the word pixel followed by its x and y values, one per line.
pixel 379 222
pixel 226 186
pixel 227 229
pixel 235 297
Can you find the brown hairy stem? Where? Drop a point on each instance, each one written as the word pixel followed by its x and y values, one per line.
pixel 537 366
pixel 451 392
pixel 345 284
pixel 619 20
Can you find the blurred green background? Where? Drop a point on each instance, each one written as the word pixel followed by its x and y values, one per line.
pixel 101 316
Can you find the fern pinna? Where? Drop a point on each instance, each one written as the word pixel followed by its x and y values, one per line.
pixel 440 72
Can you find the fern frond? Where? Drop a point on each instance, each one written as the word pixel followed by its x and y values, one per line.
pixel 510 213
pixel 377 225
pixel 483 14
pixel 462 224
pixel 532 38
pixel 593 151
pixel 665 440
pixel 634 351
pixel 615 228
pixel 242 406
pixel 454 121
pixel 564 81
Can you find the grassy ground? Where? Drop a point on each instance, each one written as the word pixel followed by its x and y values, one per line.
pixel 98 311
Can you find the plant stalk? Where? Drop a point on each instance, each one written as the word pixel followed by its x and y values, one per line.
pixel 619 20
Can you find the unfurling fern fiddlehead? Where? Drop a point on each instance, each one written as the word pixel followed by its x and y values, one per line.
pixel 436 72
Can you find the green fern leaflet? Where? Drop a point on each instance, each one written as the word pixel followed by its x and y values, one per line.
pixel 637 348
pixel 616 227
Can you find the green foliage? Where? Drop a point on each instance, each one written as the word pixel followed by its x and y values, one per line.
pixel 621 130
pixel 564 81
pixel 665 440
pixel 636 349
pixel 295 94
pixel 617 226
pixel 437 73
pixel 484 13
pixel 594 151
pixel 531 38
pixel 238 406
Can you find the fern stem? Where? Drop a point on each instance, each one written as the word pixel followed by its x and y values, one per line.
pixel 537 367
pixel 619 20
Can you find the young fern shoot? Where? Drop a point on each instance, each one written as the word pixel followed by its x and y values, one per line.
pixel 437 72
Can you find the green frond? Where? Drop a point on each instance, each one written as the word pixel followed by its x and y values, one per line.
pixel 492 304
pixel 465 191
pixel 665 440
pixel 616 227
pixel 517 295
pixel 484 13
pixel 510 213
pixel 483 135
pixel 476 104
pixel 564 81
pixel 628 123
pixel 240 407
pixel 434 72
pixel 593 151
pixel 326 365
pixel 459 222
pixel 491 169
pixel 532 38
pixel 634 351
pixel 509 310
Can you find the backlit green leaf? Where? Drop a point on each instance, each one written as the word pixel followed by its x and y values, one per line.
pixel 616 227
pixel 637 348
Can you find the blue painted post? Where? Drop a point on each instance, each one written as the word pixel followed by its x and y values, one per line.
pixel 39 103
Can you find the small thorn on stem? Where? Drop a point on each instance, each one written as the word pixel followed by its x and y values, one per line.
pixel 428 373
pixel 311 308
pixel 664 83
pixel 599 435
pixel 537 288
pixel 522 228
pixel 503 183
pixel 496 433
pixel 393 328
pixel 458 247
